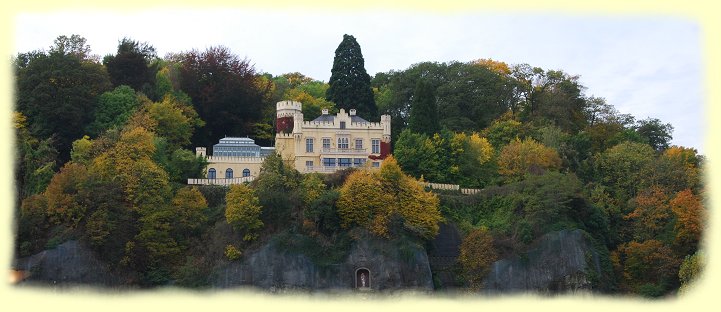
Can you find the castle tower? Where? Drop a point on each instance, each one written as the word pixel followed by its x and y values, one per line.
pixel 285 112
pixel 288 128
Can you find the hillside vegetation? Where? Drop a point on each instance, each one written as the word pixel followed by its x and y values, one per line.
pixel 103 150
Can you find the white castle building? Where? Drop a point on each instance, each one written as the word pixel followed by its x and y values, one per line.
pixel 325 144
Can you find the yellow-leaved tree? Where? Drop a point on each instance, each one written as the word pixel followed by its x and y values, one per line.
pixel 477 254
pixel 243 210
pixel 521 157
pixel 374 199
pixel 63 204
pixel 189 204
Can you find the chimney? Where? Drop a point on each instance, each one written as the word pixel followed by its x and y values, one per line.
pixel 325 111
pixel 352 111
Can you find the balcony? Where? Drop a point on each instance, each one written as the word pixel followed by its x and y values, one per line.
pixel 329 169
pixel 345 151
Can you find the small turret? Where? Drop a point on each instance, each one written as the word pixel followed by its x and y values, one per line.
pixel 200 152
pixel 386 123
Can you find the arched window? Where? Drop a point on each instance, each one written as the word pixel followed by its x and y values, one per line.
pixel 211 173
pixel 229 173
pixel 246 172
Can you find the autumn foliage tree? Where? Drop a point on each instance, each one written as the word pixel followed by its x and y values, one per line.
pixel 63 204
pixel 189 204
pixel 243 210
pixel 690 214
pixel 648 267
pixel 378 201
pixel 651 214
pixel 477 254
pixel 528 156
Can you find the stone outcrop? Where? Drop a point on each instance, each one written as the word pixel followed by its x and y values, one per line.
pixel 390 268
pixel 560 261
pixel 68 263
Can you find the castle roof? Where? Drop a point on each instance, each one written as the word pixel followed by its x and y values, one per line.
pixel 325 118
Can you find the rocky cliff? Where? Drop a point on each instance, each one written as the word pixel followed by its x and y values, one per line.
pixel 388 266
pixel 69 263
pixel 558 261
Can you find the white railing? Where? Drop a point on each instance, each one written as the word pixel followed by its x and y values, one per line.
pixel 224 182
pixel 450 187
pixel 331 169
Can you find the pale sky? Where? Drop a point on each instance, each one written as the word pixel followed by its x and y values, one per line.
pixel 648 66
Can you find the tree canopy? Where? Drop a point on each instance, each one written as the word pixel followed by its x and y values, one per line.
pixel 349 82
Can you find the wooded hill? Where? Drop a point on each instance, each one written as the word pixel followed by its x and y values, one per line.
pixel 103 150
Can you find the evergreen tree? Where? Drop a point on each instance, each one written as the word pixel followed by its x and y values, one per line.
pixel 130 66
pixel 424 114
pixel 350 84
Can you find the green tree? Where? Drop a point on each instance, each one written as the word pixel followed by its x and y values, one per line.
pixel 503 131
pixel 349 83
pixel 175 121
pixel 417 155
pixel 655 133
pixel 34 159
pixel 691 269
pixel 622 168
pixel 62 80
pixel 550 95
pixel 32 226
pixel 113 110
pixel 424 113
pixel 243 210
pixel 130 65
pixel 74 45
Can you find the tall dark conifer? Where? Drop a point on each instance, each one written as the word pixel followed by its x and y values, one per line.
pixel 424 113
pixel 350 84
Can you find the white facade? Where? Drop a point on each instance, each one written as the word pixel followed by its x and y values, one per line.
pixel 330 142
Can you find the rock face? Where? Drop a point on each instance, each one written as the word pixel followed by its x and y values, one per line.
pixel 68 263
pixel 560 261
pixel 387 266
pixel 443 257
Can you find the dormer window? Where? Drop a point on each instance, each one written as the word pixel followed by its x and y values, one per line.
pixel 342 124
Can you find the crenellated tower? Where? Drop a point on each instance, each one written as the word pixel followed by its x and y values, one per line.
pixel 288 128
